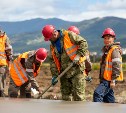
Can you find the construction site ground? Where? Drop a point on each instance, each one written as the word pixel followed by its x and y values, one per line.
pixel 19 105
pixel 44 80
pixel 51 101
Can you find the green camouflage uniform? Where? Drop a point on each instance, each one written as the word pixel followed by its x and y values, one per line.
pixel 25 89
pixel 73 82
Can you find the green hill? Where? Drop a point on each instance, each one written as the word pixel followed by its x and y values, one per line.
pixel 26 35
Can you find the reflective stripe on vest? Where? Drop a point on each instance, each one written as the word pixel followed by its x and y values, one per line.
pixel 3 58
pixel 18 73
pixel 69 47
pixel 30 70
pixel 108 67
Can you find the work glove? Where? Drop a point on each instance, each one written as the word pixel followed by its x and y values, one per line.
pixel 88 78
pixel 76 59
pixel 35 92
pixel 54 81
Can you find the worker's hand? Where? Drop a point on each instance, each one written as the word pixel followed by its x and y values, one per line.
pixel 112 84
pixel 36 92
pixel 76 59
pixel 54 81
pixel 88 78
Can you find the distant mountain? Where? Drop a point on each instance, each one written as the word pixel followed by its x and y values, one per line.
pixel 26 35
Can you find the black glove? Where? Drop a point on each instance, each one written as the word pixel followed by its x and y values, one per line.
pixel 54 81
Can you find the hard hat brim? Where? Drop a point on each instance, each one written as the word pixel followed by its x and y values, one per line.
pixel 40 59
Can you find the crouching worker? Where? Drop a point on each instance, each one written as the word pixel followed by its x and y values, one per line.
pixel 23 72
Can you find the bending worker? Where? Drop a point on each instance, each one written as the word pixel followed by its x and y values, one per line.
pixel 6 58
pixel 110 68
pixel 23 72
pixel 67 47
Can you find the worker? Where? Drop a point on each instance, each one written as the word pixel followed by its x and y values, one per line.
pixel 74 29
pixel 88 64
pixel 23 72
pixel 6 53
pixel 110 68
pixel 67 47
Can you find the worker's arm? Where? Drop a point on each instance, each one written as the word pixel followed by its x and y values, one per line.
pixel 30 72
pixel 8 50
pixel 116 68
pixel 81 42
pixel 9 54
pixel 88 64
pixel 116 62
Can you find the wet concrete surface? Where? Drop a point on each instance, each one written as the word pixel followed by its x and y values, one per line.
pixel 8 105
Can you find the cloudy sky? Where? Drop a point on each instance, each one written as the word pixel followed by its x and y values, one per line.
pixel 70 10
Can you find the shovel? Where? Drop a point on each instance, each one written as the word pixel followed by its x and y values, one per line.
pixel 58 77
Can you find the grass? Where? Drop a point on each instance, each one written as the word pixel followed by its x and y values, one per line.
pixel 124 66
pixel 95 66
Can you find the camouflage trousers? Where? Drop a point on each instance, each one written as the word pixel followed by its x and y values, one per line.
pixel 25 91
pixel 2 80
pixel 73 89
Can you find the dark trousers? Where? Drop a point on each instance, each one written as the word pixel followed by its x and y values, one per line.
pixel 103 93
pixel 24 91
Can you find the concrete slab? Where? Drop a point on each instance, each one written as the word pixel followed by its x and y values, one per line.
pixel 8 105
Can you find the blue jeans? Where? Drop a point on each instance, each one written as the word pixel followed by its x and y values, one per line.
pixel 103 93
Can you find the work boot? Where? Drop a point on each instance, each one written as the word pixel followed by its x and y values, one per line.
pixel 2 94
pixel 28 95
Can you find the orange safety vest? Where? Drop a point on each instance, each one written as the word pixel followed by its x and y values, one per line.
pixel 108 67
pixel 18 73
pixel 70 49
pixel 55 58
pixel 3 58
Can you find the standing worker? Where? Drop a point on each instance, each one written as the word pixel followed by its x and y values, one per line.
pixel 6 58
pixel 67 47
pixel 88 64
pixel 23 72
pixel 110 68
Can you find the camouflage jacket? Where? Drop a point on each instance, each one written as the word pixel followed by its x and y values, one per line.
pixel 116 69
pixel 88 64
pixel 64 58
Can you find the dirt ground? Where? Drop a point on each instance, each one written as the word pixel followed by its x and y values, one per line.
pixel 44 80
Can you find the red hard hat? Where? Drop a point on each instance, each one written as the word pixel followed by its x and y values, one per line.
pixel 108 31
pixel 41 54
pixel 47 31
pixel 74 29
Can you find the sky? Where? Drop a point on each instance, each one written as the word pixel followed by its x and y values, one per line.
pixel 69 10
